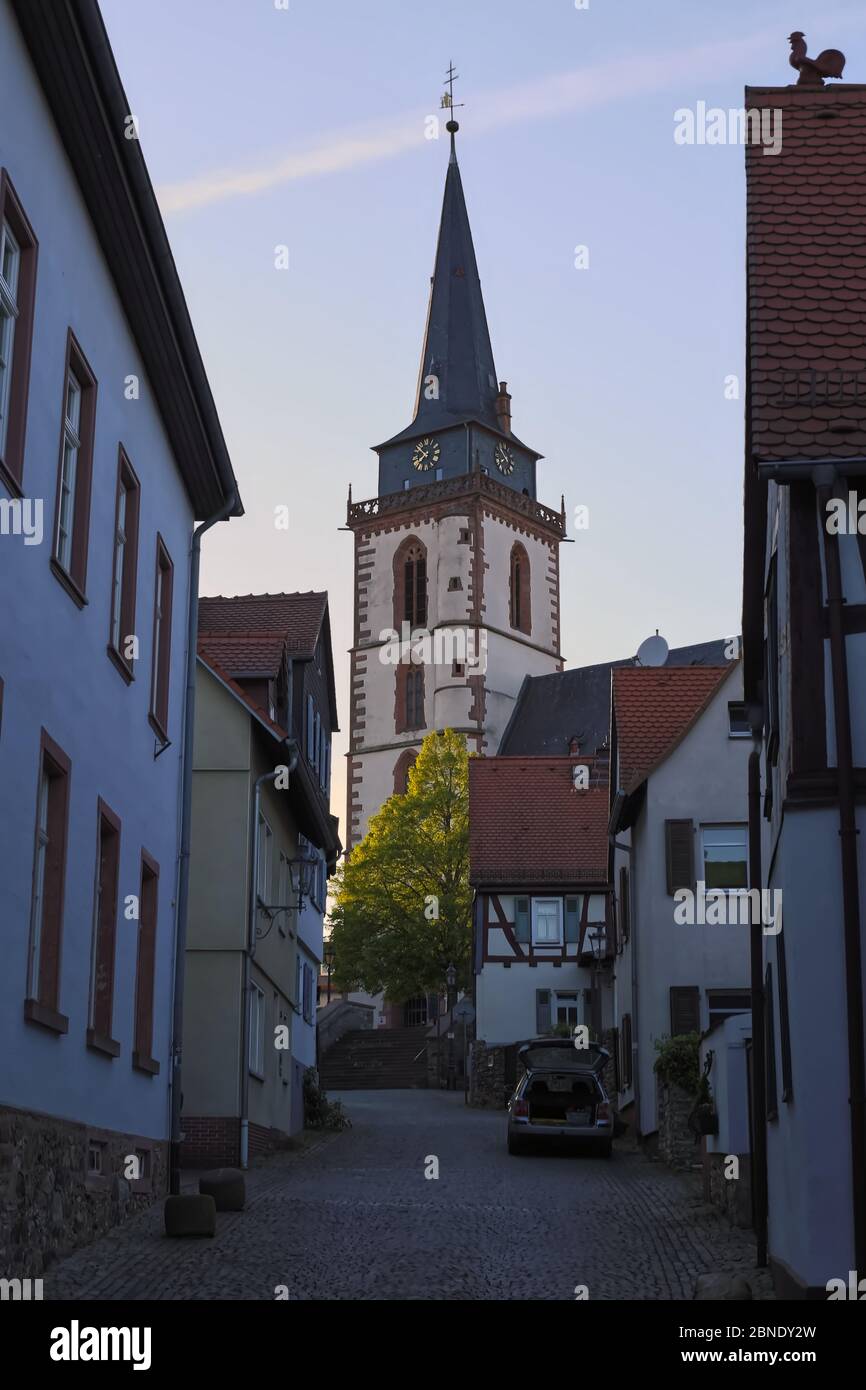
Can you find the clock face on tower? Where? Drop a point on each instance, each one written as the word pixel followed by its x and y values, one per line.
pixel 504 459
pixel 425 454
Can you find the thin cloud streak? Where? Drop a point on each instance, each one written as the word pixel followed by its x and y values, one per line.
pixel 622 79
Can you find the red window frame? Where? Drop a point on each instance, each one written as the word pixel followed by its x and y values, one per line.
pixel 148 914
pixel 163 593
pixel 12 458
pixel 105 901
pixel 48 891
pixel 127 482
pixel 74 577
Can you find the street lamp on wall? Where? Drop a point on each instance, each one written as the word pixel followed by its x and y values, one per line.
pixel 328 958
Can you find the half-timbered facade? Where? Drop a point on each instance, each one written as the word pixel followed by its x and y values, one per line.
pixel 544 930
pixel 804 627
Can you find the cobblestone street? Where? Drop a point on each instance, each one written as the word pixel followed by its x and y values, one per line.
pixel 355 1218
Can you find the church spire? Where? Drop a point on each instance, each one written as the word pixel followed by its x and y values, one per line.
pixel 457 380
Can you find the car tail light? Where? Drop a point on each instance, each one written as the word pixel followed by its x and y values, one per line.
pixel 602 1114
pixel 520 1108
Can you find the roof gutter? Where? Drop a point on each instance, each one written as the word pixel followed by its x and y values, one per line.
pixel 182 917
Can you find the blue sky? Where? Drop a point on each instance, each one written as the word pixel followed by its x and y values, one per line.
pixel 305 127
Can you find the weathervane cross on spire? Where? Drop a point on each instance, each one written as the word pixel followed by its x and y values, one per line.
pixel 449 104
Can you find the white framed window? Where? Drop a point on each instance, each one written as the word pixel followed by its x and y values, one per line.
pixel 10 261
pixel 547 921
pixel 69 470
pixel 42 842
pixel 566 1007
pixel 263 881
pixel 738 720
pixel 723 1003
pixel 724 850
pixel 257 1030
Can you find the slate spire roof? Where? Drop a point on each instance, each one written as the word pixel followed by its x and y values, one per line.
pixel 456 348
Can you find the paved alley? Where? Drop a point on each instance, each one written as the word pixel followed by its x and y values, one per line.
pixel 355 1218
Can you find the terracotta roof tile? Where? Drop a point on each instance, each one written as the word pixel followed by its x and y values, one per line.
pixel 529 825
pixel 807 276
pixel 243 695
pixel 295 617
pixel 653 708
pixel 249 655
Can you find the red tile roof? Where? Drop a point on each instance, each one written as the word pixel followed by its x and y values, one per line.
pixel 807 275
pixel 529 825
pixel 241 694
pixel 245 656
pixel 654 707
pixel 295 617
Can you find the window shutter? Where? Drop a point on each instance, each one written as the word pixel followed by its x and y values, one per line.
pixel 685 1009
pixel 679 854
pixel 542 1011
pixel 521 919
pixel 572 919
pixel 310 728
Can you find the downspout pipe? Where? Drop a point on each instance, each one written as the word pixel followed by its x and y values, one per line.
pixel 250 949
pixel 227 510
pixel 632 917
pixel 759 1045
pixel 824 480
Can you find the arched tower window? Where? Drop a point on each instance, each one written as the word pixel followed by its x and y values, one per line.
pixel 410 584
pixel 409 709
pixel 402 768
pixel 520 608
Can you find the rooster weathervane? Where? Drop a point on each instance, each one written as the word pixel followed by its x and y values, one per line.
pixel 812 71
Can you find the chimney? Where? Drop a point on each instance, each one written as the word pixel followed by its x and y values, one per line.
pixel 503 408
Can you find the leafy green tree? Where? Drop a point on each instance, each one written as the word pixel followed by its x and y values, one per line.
pixel 402 902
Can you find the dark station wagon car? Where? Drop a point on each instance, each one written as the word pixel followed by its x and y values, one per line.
pixel 560 1096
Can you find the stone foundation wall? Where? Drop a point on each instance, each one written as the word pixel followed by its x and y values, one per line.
pixel 50 1203
pixel 488 1088
pixel 676 1142
pixel 733 1196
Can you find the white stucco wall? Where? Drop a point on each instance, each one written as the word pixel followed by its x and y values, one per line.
pixel 729 1083
pixel 704 779
pixel 505 998
pixel 53 656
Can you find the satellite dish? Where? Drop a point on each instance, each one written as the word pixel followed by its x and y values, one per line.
pixel 653 651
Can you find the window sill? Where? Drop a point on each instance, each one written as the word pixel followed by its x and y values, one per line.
pixel 158 729
pixel 117 660
pixel 9 481
pixel 34 1012
pixel 257 1076
pixel 68 583
pixel 146 1064
pixel 98 1042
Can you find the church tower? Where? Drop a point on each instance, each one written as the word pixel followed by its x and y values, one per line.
pixel 456 556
